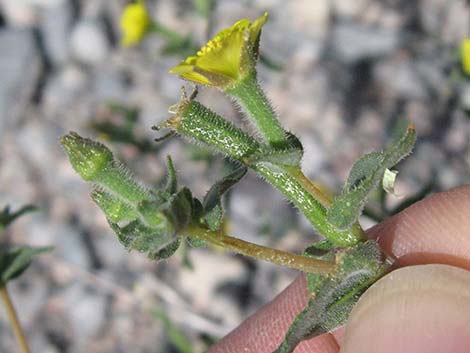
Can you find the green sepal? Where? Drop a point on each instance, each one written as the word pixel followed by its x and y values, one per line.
pixel 289 155
pixel 171 181
pixel 178 209
pixel 167 251
pixel 364 177
pixel 195 243
pixel 357 268
pixel 115 209
pixel 212 203
pixel 138 236
pixel 15 260
pixel 7 217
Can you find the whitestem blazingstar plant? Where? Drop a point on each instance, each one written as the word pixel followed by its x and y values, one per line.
pixel 339 268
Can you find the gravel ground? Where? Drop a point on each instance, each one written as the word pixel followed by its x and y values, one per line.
pixel 351 70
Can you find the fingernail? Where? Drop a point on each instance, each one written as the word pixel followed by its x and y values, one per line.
pixel 413 309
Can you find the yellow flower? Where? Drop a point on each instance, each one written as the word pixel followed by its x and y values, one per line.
pixel 227 58
pixel 135 23
pixel 465 55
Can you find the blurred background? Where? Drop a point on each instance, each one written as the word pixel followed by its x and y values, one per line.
pixel 342 74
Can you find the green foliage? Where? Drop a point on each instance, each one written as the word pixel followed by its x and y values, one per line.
pixel 212 203
pixel 7 217
pixel 15 260
pixel 334 295
pixel 149 221
pixel 364 177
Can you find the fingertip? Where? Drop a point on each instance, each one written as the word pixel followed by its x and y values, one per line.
pixel 434 230
pixel 413 309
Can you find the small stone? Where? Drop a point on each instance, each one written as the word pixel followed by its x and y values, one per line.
pixel 20 67
pixel 55 26
pixel 353 42
pixel 88 42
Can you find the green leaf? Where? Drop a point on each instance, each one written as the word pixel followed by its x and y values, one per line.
pixel 212 203
pixel 289 155
pixel 364 177
pixel 7 217
pixel 15 260
pixel 178 209
pixel 171 182
pixel 167 251
pixel 335 295
pixel 138 236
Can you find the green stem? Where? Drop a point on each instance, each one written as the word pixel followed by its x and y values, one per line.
pixel 194 120
pixel 14 322
pixel 279 257
pixel 252 98
pixel 313 210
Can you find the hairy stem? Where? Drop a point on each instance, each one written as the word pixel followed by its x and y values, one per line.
pixel 252 98
pixel 313 188
pixel 279 257
pixel 14 322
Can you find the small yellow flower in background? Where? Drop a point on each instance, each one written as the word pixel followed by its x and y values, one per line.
pixel 227 58
pixel 465 55
pixel 135 23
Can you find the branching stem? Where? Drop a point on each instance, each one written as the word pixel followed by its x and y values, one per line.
pixel 279 257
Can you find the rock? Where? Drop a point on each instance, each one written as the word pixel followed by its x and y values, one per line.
pixel 19 14
pixel 64 88
pixel 400 78
pixel 352 42
pixel 88 42
pixel 20 67
pixel 55 26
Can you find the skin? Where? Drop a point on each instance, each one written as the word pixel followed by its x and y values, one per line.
pixel 422 307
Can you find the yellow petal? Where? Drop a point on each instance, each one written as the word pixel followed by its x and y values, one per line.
pixel 465 55
pixel 224 55
pixel 135 23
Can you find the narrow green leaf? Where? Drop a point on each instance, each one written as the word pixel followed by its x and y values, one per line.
pixel 138 236
pixel 15 260
pixel 167 251
pixel 364 177
pixel 7 217
pixel 171 183
pixel 335 295
pixel 212 203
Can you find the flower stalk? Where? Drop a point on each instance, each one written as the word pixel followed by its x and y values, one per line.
pixel 251 97
pixel 14 321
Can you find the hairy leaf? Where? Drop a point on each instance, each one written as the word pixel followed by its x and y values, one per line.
pixel 335 294
pixel 364 177
pixel 212 203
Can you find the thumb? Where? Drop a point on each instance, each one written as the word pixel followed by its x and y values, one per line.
pixel 411 310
